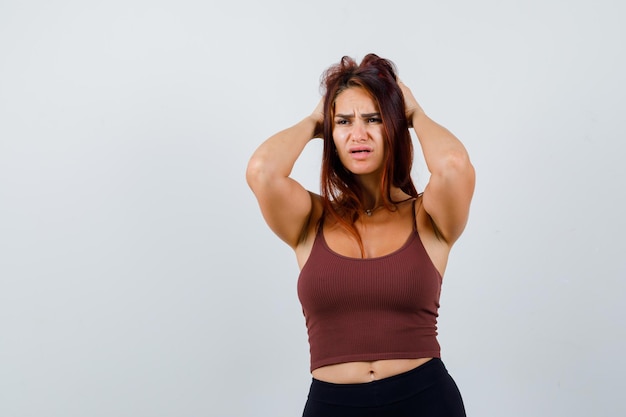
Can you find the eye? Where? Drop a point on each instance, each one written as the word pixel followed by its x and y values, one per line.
pixel 374 120
pixel 341 121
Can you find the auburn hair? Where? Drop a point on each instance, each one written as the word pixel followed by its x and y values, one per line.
pixel 342 195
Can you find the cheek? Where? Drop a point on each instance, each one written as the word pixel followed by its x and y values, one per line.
pixel 338 135
pixel 339 140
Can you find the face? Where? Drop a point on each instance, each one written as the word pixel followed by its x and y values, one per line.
pixel 358 132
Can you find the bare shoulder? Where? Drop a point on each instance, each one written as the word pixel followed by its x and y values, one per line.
pixel 436 247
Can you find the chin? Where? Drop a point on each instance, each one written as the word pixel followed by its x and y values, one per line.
pixel 364 172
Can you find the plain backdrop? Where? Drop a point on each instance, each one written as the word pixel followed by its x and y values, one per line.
pixel 138 278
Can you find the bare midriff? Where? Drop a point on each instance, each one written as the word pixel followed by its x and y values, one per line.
pixel 362 372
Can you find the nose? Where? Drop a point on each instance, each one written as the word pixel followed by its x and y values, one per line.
pixel 359 133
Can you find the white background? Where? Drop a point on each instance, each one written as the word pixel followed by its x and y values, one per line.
pixel 137 277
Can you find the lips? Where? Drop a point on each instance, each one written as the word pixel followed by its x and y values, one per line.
pixel 360 153
pixel 360 149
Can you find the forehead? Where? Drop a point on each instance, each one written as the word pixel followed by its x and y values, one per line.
pixel 355 98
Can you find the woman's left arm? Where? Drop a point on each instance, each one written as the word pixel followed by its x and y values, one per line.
pixel 449 192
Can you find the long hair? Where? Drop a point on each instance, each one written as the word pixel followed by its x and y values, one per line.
pixel 342 195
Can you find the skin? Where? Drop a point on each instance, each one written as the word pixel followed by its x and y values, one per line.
pixel 292 212
pixel 358 135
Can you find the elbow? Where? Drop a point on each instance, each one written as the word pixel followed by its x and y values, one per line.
pixel 258 172
pixel 254 172
pixel 456 165
pixel 457 160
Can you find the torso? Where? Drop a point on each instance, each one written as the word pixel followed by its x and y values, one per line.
pixel 382 233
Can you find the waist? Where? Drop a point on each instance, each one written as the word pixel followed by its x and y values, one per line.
pixel 366 371
pixel 385 391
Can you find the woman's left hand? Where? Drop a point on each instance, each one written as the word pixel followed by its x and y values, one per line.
pixel 411 106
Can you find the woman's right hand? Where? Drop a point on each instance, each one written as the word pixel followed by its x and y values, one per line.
pixel 318 117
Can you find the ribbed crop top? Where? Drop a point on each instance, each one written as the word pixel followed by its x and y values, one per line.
pixel 370 309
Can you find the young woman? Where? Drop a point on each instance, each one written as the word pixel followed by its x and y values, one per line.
pixel 372 251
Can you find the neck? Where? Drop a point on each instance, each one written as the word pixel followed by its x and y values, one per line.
pixel 373 202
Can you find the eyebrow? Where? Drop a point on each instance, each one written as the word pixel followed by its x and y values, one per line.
pixel 364 115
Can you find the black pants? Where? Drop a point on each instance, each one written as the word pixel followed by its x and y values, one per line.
pixel 426 391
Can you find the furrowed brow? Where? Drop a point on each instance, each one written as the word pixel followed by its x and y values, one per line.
pixel 363 115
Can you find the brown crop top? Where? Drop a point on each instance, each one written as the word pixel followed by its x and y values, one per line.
pixel 370 309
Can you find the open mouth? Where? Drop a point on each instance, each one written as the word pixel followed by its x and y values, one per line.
pixel 360 150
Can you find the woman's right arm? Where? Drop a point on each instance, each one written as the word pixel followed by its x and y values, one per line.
pixel 285 204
